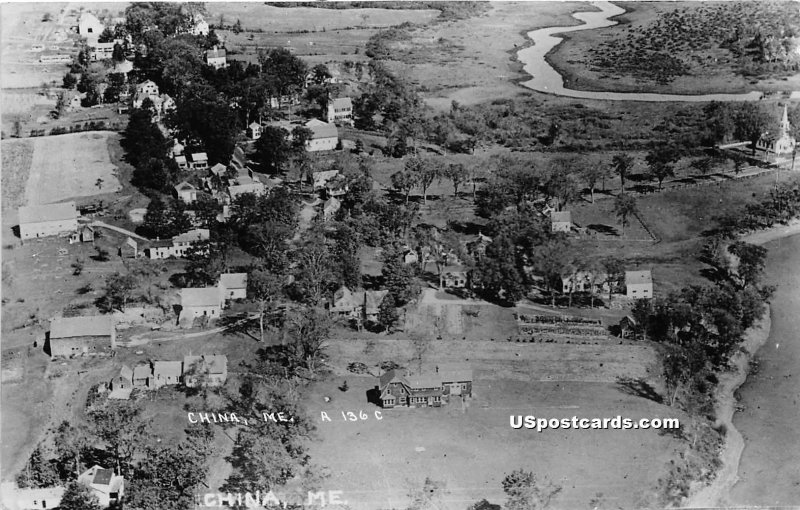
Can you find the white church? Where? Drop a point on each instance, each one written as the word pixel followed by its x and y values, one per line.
pixel 781 145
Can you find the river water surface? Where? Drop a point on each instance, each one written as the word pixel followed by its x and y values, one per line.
pixel 546 79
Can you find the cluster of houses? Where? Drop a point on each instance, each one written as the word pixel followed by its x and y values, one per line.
pixel 209 370
pixel 359 306
pixel 208 302
pixel 426 390
pixel 101 482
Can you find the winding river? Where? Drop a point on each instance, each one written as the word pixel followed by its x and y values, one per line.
pixel 546 79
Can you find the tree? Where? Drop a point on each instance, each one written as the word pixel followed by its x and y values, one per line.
pixel 314 276
pixel 119 289
pixel 320 74
pixel 61 105
pixel 497 275
pixel 624 208
pixel 752 259
pixel 273 149
pixel 69 81
pixel 397 275
pixel 622 165
pixel 78 497
pixel 347 263
pixel 560 182
pixel 307 332
pixel 70 443
pixel 121 426
pixel 264 288
pixel 458 174
pixel 661 161
pixel 526 492
pixel 552 262
pixel 404 181
pixel 615 271
pixel 387 313
pixel 751 121
pixel 591 174
pixel 39 472
pixel 427 171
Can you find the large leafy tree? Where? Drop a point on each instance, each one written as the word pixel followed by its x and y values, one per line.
pixel 526 491
pixel 622 165
pixel 78 497
pixel 273 149
pixel 266 289
pixel 661 162
pixel 624 208
pixel 397 276
pixel 121 426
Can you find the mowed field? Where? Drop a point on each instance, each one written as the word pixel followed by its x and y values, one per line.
pixel 68 166
pixel 378 463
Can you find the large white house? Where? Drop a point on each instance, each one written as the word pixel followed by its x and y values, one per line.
pixel 47 220
pixel 340 110
pixel 179 245
pixel 200 302
pixel 104 484
pixel 89 26
pixel 639 284
pixel 233 285
pixel 324 136
pixel 216 58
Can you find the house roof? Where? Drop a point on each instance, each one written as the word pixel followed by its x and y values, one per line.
pixel 167 368
pixel 184 186
pixel 321 129
pixel 332 203
pixel 196 234
pixel 125 372
pixel 342 102
pixel 374 298
pixel 102 476
pixel 561 217
pixel 634 277
pixel 69 327
pixel 455 375
pixel 47 212
pixel 204 296
pixel 254 125
pixel 322 178
pixel 424 381
pixel 390 376
pixel 233 280
pixel 219 169
pixel 253 187
pixel 217 363
pixel 199 156
pixel 215 53
pixel 130 242
pixel 142 371
pixel 345 298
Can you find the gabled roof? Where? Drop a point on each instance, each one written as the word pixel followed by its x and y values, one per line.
pixel 70 327
pixel 561 217
pixel 254 125
pixel 321 129
pixel 455 375
pixel 342 102
pixel 102 477
pixel 199 156
pixel 233 280
pixel 215 53
pixel 204 296
pixel 167 369
pixel 47 212
pixel 184 186
pixel 634 277
pixel 424 381
pixel 374 298
pixel 389 377
pixel 125 372
pixel 142 371
pixel 217 363
pixel 180 159
pixel 331 203
pixel 130 242
pixel 196 234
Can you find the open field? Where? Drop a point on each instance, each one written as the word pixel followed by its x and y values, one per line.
pixel 17 157
pixel 67 166
pixel 692 63
pixel 255 16
pixel 377 465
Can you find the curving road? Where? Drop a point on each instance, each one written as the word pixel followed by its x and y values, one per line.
pixel 545 78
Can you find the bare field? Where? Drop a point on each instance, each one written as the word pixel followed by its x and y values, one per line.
pixel 470 450
pixel 68 166
pixel 16 164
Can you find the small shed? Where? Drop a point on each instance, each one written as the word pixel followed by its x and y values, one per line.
pixel 129 249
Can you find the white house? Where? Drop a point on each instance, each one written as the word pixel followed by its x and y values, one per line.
pixel 178 245
pixel 89 26
pixel 583 281
pixel 185 192
pixel 199 26
pixel 254 131
pixel 200 302
pixel 47 220
pixel 208 369
pixel 103 483
pixel 340 110
pixel 181 161
pixel 233 285
pixel 639 284
pixel 145 90
pixel 560 221
pixel 199 161
pixel 324 136
pixel 166 373
pixel 216 58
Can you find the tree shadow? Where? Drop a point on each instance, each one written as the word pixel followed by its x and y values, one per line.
pixel 603 229
pixel 639 388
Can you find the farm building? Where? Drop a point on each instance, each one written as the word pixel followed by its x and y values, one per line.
pixel 628 327
pixel 560 221
pixel 82 335
pixel 89 26
pixel 208 370
pixel 216 58
pixel 129 249
pixel 181 161
pixel 429 390
pixel 47 220
pixel 200 302
pixel 233 285
pixel 84 234
pixel 166 373
pixel 104 484
pixel 15 498
pixel 141 375
pixel 324 136
pixel 340 110
pixel 639 284
pixel 123 380
pixel 254 131
pixel 185 192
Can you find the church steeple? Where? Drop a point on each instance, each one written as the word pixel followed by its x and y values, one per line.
pixel 785 121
